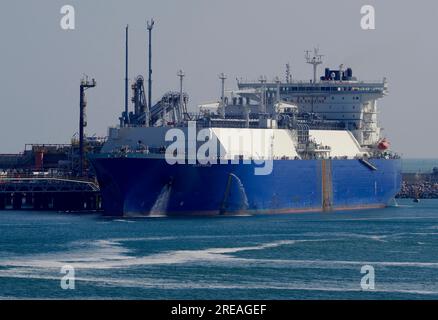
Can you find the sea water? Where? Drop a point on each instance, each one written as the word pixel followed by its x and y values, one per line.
pixel 291 256
pixel 419 165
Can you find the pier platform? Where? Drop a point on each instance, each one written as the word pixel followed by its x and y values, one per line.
pixel 48 192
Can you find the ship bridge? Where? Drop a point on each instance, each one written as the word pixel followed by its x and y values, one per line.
pixel 336 96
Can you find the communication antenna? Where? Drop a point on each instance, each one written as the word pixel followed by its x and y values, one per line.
pixel 149 26
pixel 314 60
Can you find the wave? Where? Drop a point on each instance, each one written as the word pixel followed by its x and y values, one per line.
pixel 166 284
pixel 343 235
pixel 93 260
pixel 105 254
pixel 108 254
pixel 123 220
pixel 336 219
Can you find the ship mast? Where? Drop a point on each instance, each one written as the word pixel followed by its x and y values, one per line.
pixel 277 94
pixel 126 77
pixel 181 75
pixel 314 60
pixel 262 80
pixel 149 26
pixel 222 77
pixel 288 75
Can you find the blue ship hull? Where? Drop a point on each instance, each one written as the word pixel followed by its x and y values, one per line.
pixel 141 186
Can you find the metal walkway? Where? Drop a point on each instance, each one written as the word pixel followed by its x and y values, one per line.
pixel 46 184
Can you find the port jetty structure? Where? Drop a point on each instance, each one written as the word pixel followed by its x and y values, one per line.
pixel 53 176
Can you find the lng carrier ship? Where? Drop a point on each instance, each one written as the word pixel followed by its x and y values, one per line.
pixel 279 146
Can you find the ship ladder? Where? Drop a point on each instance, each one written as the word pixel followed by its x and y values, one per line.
pixel 368 164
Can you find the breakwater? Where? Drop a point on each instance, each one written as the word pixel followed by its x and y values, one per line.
pixel 419 185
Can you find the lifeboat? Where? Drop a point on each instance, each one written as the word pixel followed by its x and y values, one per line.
pixel 383 144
